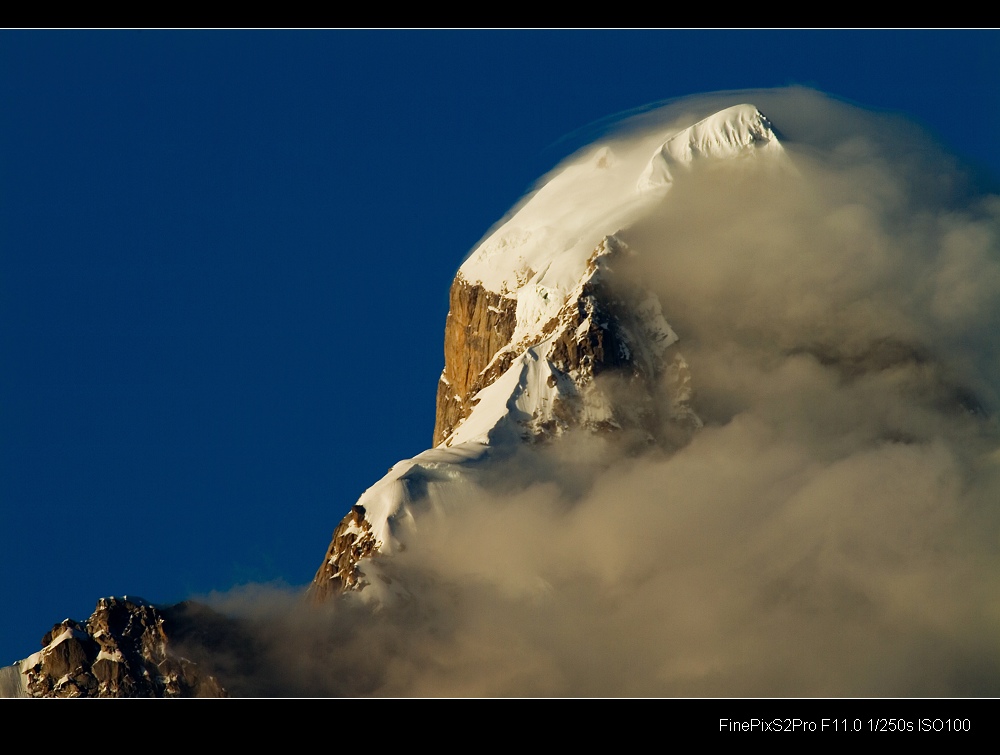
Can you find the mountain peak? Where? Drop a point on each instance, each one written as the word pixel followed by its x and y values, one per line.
pixel 548 330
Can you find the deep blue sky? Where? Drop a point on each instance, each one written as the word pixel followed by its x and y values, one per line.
pixel 225 257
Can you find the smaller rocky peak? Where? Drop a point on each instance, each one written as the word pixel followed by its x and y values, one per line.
pixel 122 650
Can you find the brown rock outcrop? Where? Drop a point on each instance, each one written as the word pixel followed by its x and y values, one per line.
pixel 121 651
pixel 352 540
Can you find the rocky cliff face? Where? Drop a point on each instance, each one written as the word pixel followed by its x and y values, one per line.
pixel 480 323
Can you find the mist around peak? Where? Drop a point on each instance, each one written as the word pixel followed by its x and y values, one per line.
pixel 833 528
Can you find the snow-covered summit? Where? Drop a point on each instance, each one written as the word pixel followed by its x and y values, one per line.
pixel 547 242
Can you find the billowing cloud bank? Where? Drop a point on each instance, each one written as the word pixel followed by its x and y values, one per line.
pixel 834 529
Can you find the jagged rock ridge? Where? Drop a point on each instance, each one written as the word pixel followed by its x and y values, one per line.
pixel 122 650
pixel 352 541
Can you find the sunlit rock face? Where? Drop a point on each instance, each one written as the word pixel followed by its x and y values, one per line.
pixel 479 324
